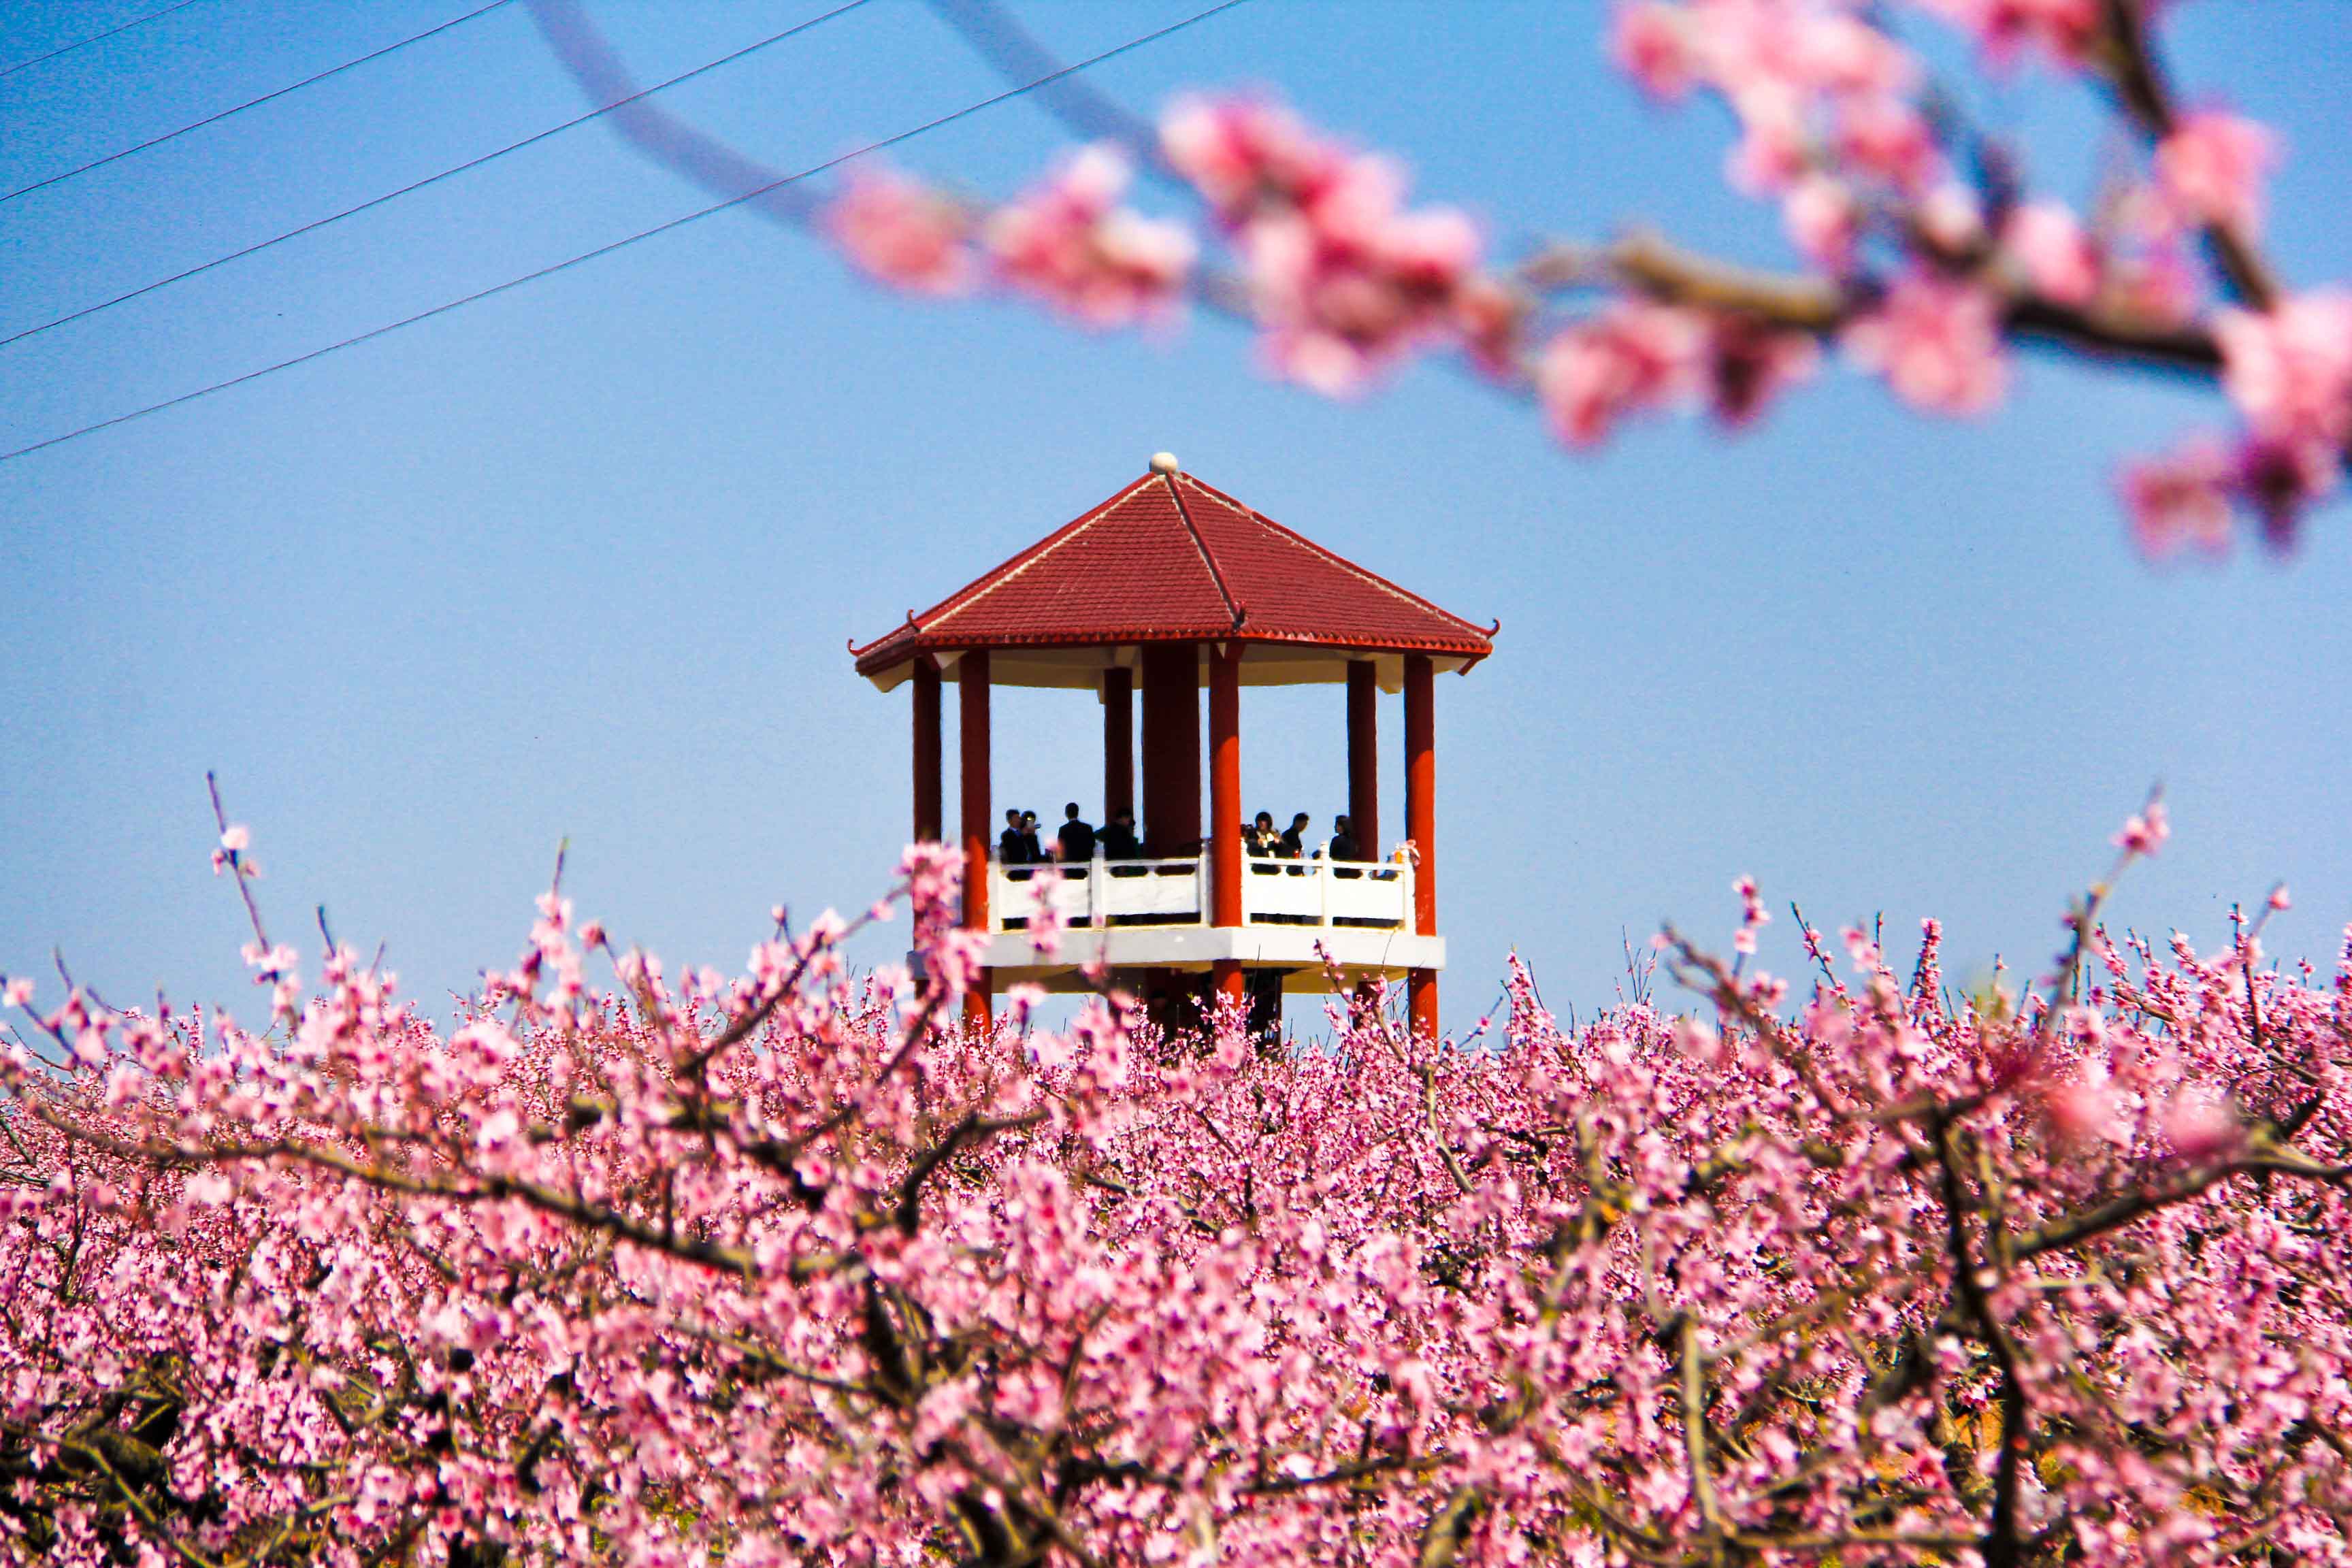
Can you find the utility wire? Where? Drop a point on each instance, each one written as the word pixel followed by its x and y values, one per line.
pixel 415 185
pixel 253 102
pixel 587 255
pixel 94 37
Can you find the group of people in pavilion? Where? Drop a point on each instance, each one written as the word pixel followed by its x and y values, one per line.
pixel 1077 841
pixel 1260 841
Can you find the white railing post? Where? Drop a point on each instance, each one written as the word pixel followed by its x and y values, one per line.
pixel 1098 892
pixel 1322 893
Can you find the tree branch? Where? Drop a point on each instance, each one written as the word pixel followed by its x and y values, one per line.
pixel 2141 85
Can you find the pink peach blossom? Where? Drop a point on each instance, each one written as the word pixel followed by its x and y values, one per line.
pixel 1071 243
pixel 1635 356
pixel 1886 136
pixel 2145 831
pixel 1952 219
pixel 2087 1113
pixel 902 233
pixel 2063 29
pixel 1651 44
pixel 1822 219
pixel 1241 153
pixel 2211 168
pixel 1775 146
pixel 2047 242
pixel 2278 479
pixel 1936 340
pixel 2182 500
pixel 1344 277
pixel 2289 369
pixel 2200 1126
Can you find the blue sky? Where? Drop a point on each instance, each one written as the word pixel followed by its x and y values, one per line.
pixel 580 560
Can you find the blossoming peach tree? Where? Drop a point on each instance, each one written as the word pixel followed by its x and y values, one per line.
pixel 1928 251
pixel 791 1267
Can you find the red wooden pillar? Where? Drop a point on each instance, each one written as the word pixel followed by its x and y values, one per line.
pixel 1421 826
pixel 1364 773
pixel 1364 757
pixel 927 749
pixel 971 712
pixel 1119 742
pixel 1171 747
pixel 1225 803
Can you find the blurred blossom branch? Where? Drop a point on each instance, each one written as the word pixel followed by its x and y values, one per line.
pixel 1925 254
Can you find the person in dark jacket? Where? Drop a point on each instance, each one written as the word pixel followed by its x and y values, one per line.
pixel 1294 838
pixel 1077 838
pixel 1343 840
pixel 1118 836
pixel 1259 837
pixel 1029 840
pixel 1012 848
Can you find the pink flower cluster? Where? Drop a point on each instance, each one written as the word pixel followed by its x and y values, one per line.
pixel 903 233
pixel 1937 340
pixel 1821 94
pixel 2210 170
pixel 1634 357
pixel 2289 371
pixel 1069 242
pixel 786 1268
pixel 1344 276
pixel 1831 127
pixel 2065 30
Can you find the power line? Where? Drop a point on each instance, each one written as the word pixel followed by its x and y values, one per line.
pixel 94 38
pixel 644 233
pixel 253 102
pixel 415 185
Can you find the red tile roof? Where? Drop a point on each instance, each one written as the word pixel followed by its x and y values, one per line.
pixel 1170 559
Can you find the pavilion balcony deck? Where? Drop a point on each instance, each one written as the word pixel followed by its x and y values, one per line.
pixel 1176 892
pixel 1298 915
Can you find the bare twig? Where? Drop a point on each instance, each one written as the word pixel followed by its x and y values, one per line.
pixel 236 865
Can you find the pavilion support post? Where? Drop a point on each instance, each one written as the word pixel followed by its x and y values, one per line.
pixel 927 751
pixel 1364 757
pixel 972 713
pixel 1364 776
pixel 1171 747
pixel 1225 804
pixel 1421 826
pixel 1119 742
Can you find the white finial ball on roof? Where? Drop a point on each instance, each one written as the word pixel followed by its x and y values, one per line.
pixel 1163 462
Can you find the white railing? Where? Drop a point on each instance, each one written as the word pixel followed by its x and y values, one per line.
pixel 1178 892
pixel 1327 892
